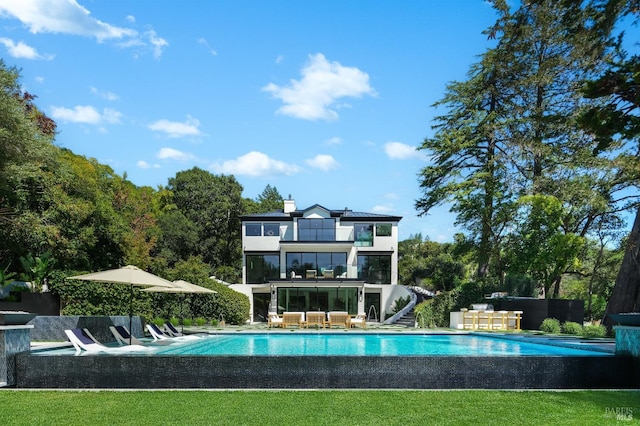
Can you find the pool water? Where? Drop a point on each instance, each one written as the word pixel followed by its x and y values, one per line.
pixel 351 344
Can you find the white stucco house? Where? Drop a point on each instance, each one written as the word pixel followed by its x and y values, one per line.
pixel 317 259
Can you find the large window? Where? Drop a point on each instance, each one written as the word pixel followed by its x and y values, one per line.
pixel 330 265
pixel 363 235
pixel 253 229
pixel 262 268
pixel 316 229
pixel 374 269
pixel 383 230
pixel 323 299
pixel 256 229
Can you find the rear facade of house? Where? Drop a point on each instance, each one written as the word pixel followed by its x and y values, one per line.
pixel 317 259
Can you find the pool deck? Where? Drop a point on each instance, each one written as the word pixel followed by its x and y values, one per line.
pixel 337 372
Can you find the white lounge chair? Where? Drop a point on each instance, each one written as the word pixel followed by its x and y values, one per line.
pixel 274 320
pixel 359 320
pixel 170 330
pixel 82 339
pixel 123 337
pixel 159 335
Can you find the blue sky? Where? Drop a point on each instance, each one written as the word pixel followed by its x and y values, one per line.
pixel 325 100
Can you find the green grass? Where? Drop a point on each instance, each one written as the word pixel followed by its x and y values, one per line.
pixel 281 408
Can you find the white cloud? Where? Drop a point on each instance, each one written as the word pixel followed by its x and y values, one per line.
pixel 401 151
pixel 158 43
pixel 69 17
pixel 323 83
pixel 323 162
pixel 204 42
pixel 333 141
pixel 175 129
pixel 63 17
pixel 383 209
pixel 22 50
pixel 104 94
pixel 255 164
pixel 86 114
pixel 131 19
pixel 173 154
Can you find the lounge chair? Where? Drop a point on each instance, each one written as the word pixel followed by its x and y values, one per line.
pixel 338 318
pixel 122 335
pixel 159 335
pixel 274 320
pixel 292 318
pixel 359 320
pixel 316 319
pixel 82 339
pixel 170 330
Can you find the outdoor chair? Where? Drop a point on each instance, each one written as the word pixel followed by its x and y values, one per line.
pixel 316 319
pixel 274 320
pixel 82 339
pixel 292 318
pixel 359 320
pixel 171 330
pixel 338 318
pixel 159 335
pixel 122 335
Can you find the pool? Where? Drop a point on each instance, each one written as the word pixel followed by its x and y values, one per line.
pixel 348 360
pixel 352 344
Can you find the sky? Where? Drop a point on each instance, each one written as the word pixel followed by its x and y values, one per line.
pixel 325 100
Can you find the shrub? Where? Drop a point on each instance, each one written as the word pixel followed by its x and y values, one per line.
pixel 550 325
pixel 593 330
pixel 187 322
pixel 158 321
pixel 425 317
pixel 400 303
pixel 174 321
pixel 571 327
pixel 200 321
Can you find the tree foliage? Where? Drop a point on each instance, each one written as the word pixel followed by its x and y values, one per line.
pixel 509 156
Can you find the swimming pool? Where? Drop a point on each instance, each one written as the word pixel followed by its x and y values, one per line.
pixel 351 344
pixel 348 360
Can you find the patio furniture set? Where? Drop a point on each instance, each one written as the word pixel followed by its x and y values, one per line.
pixel 490 320
pixel 316 319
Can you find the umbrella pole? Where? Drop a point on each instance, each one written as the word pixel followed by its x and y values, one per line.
pixel 130 314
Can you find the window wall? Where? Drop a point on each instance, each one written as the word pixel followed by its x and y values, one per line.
pixel 316 229
pixel 323 299
pixel 300 263
pixel 262 267
pixel 374 269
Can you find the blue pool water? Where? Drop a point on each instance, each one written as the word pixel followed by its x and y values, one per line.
pixel 351 344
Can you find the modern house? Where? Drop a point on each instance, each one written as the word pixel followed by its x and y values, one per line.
pixel 317 259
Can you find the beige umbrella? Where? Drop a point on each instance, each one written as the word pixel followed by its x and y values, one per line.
pixel 181 286
pixel 129 274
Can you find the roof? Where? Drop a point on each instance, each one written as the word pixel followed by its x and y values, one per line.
pixel 344 214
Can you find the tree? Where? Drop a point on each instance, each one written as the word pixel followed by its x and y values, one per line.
pixel 467 170
pixel 617 120
pixel 510 132
pixel 213 204
pixel 270 200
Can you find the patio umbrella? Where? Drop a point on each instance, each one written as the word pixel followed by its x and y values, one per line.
pixel 129 274
pixel 181 286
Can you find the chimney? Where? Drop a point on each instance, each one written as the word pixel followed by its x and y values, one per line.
pixel 289 205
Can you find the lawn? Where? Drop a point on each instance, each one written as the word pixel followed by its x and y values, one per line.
pixel 18 407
